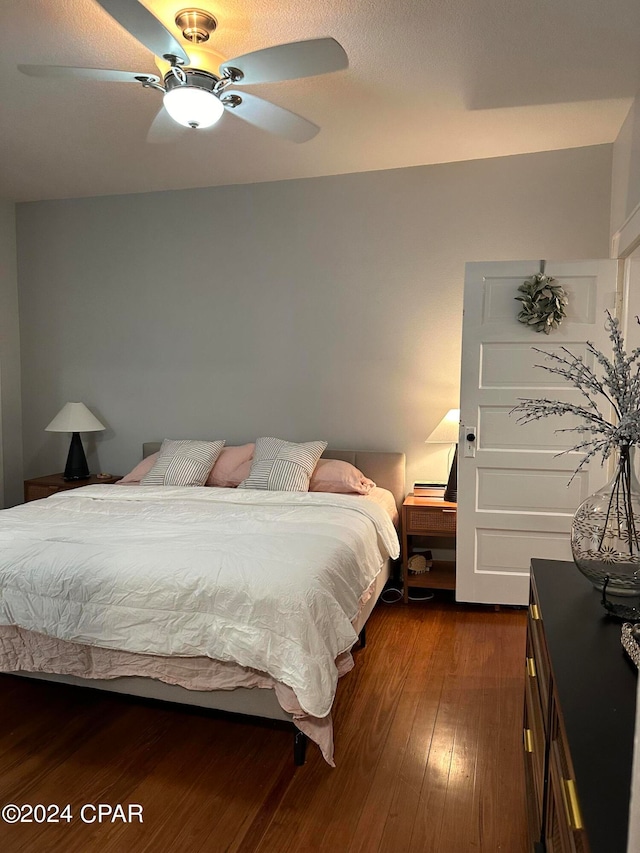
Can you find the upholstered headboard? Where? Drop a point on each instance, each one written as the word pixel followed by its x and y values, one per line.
pixel 385 469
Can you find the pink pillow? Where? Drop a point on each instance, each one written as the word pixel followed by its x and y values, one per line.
pixel 332 475
pixel 141 469
pixel 232 466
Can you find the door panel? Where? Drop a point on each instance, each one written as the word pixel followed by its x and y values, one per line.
pixel 516 498
pixel 499 430
pixel 510 365
pixel 522 490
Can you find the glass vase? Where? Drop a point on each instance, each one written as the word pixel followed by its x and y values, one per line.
pixel 605 539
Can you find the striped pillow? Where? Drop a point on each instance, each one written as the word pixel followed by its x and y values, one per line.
pixel 183 463
pixel 282 466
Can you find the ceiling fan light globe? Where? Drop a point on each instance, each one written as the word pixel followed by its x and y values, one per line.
pixel 191 106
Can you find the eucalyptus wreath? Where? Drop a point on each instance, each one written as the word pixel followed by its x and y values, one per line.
pixel 544 303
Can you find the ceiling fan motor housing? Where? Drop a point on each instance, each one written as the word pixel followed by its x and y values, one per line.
pixel 196 77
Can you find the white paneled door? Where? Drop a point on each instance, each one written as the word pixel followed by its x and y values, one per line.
pixel 514 501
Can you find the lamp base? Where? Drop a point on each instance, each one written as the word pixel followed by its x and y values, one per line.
pixel 76 467
pixel 451 492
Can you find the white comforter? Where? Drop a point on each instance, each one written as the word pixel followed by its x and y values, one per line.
pixel 270 580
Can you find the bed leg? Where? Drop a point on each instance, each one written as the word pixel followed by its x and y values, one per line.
pixel 362 637
pixel 299 748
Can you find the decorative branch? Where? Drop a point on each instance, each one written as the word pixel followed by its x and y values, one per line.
pixel 619 386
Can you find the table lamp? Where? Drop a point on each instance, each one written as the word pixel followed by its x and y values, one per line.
pixel 75 418
pixel 447 433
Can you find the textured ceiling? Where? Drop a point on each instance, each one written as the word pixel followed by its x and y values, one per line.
pixel 430 81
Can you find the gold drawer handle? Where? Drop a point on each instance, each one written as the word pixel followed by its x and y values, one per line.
pixel 535 613
pixel 531 667
pixel 571 805
pixel 528 741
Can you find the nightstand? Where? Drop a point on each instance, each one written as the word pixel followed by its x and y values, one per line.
pixel 42 487
pixel 428 523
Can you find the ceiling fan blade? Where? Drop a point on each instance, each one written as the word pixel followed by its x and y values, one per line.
pixel 145 27
pixel 268 116
pixel 288 61
pixel 165 130
pixel 105 74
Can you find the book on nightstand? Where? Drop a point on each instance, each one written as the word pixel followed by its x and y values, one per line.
pixel 429 490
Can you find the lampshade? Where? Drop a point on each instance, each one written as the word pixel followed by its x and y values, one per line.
pixel 74 417
pixel 192 106
pixel 447 430
pixel 447 433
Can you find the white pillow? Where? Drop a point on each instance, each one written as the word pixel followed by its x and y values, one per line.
pixel 183 463
pixel 283 466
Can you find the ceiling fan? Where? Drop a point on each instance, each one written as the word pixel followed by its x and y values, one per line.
pixel 195 97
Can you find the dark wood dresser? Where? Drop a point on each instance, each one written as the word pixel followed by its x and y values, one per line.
pixel 580 702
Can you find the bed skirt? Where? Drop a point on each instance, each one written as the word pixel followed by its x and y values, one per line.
pixel 198 681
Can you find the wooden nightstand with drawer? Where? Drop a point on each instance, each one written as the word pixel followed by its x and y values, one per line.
pixel 428 523
pixel 42 487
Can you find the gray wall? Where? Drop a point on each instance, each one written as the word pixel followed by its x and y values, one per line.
pixel 321 308
pixel 625 185
pixel 10 404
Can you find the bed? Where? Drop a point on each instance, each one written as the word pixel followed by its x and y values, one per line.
pixel 118 643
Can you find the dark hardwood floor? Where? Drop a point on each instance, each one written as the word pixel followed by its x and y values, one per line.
pixel 428 731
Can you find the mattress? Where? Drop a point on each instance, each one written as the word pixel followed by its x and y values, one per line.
pixel 199 573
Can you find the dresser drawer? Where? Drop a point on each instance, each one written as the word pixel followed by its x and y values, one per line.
pixel 540 668
pixel 34 492
pixel 535 742
pixel 564 832
pixel 430 520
